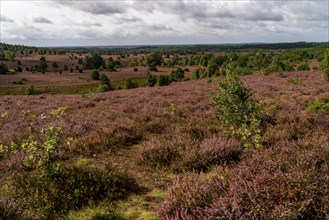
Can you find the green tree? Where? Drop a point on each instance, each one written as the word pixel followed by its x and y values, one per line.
pixel 151 80
pixel 153 59
pixel 3 68
pixel 95 75
pixel 177 75
pixel 54 65
pixel 238 114
pixel 43 66
pixel 93 62
pixel 105 83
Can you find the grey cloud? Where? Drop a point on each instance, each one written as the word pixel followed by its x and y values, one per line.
pixel 159 27
pixel 263 17
pixel 89 24
pixel 130 19
pixel 220 26
pixel 6 19
pixel 97 7
pixel 194 10
pixel 42 20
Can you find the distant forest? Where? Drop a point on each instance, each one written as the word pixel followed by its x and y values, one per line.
pixel 163 49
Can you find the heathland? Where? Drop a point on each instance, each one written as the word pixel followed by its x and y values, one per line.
pixel 177 132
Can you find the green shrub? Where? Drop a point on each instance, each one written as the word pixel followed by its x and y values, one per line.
pixel 195 74
pixel 151 80
pixel 303 67
pixel 238 114
pixel 130 84
pixel 320 106
pixel 295 81
pixel 42 145
pixel 18 69
pixel 105 84
pixel 32 90
pixel 3 68
pixel 163 80
pixel 95 75
pixel 20 82
pixel 177 75
pixel 54 193
pixel 103 88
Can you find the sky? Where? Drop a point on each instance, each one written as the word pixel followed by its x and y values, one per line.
pixel 147 22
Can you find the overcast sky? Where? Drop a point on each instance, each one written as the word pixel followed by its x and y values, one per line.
pixel 109 22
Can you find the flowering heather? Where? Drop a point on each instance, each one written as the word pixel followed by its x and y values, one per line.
pixel 168 138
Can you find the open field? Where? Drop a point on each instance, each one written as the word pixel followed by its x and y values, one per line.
pixel 163 150
pixel 67 82
pixel 164 134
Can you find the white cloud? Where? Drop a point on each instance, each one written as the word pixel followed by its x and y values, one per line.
pixel 146 22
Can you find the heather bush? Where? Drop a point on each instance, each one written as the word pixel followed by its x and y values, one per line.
pixel 160 152
pixel 190 194
pixel 108 139
pixel 238 114
pixel 286 182
pixel 70 188
pixel 212 151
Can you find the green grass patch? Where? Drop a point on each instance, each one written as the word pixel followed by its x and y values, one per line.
pixel 319 106
pixel 294 81
pixel 72 89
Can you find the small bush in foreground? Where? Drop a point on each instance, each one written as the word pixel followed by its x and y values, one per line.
pixel 40 149
pixel 238 114
pixel 191 193
pixel 64 189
